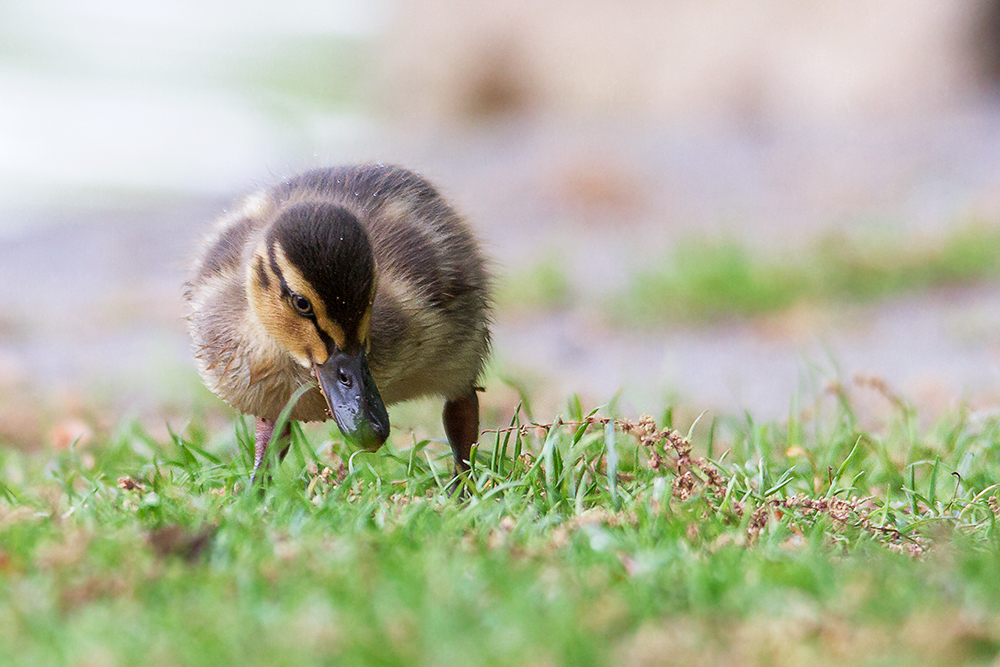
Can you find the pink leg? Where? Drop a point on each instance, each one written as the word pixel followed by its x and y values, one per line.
pixel 265 429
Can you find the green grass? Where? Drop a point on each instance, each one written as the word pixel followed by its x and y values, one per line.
pixel 542 285
pixel 706 279
pixel 807 542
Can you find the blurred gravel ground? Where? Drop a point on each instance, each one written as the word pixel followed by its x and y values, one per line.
pixel 90 301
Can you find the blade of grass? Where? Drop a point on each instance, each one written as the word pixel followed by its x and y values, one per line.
pixel 612 453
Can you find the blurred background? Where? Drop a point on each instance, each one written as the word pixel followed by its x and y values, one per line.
pixel 723 207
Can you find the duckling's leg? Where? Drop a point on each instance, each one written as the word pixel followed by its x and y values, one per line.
pixel 265 428
pixel 461 425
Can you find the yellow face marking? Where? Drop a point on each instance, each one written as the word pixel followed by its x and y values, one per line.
pixel 365 324
pixel 298 284
pixel 295 333
pixel 363 327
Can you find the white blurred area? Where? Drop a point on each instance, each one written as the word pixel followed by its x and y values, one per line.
pixel 105 97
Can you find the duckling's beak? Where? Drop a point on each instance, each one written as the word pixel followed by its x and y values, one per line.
pixel 353 398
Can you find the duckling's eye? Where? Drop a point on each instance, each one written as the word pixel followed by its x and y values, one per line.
pixel 301 305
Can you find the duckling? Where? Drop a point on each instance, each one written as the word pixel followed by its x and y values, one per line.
pixel 358 282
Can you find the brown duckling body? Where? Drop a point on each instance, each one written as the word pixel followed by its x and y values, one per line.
pixel 359 282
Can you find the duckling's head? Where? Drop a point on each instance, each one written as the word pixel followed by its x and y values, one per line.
pixel 311 284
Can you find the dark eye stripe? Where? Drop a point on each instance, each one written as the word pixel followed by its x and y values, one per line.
pixel 325 337
pixel 262 278
pixel 273 261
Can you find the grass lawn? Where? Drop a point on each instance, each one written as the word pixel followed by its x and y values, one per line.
pixel 818 541
pixel 711 279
